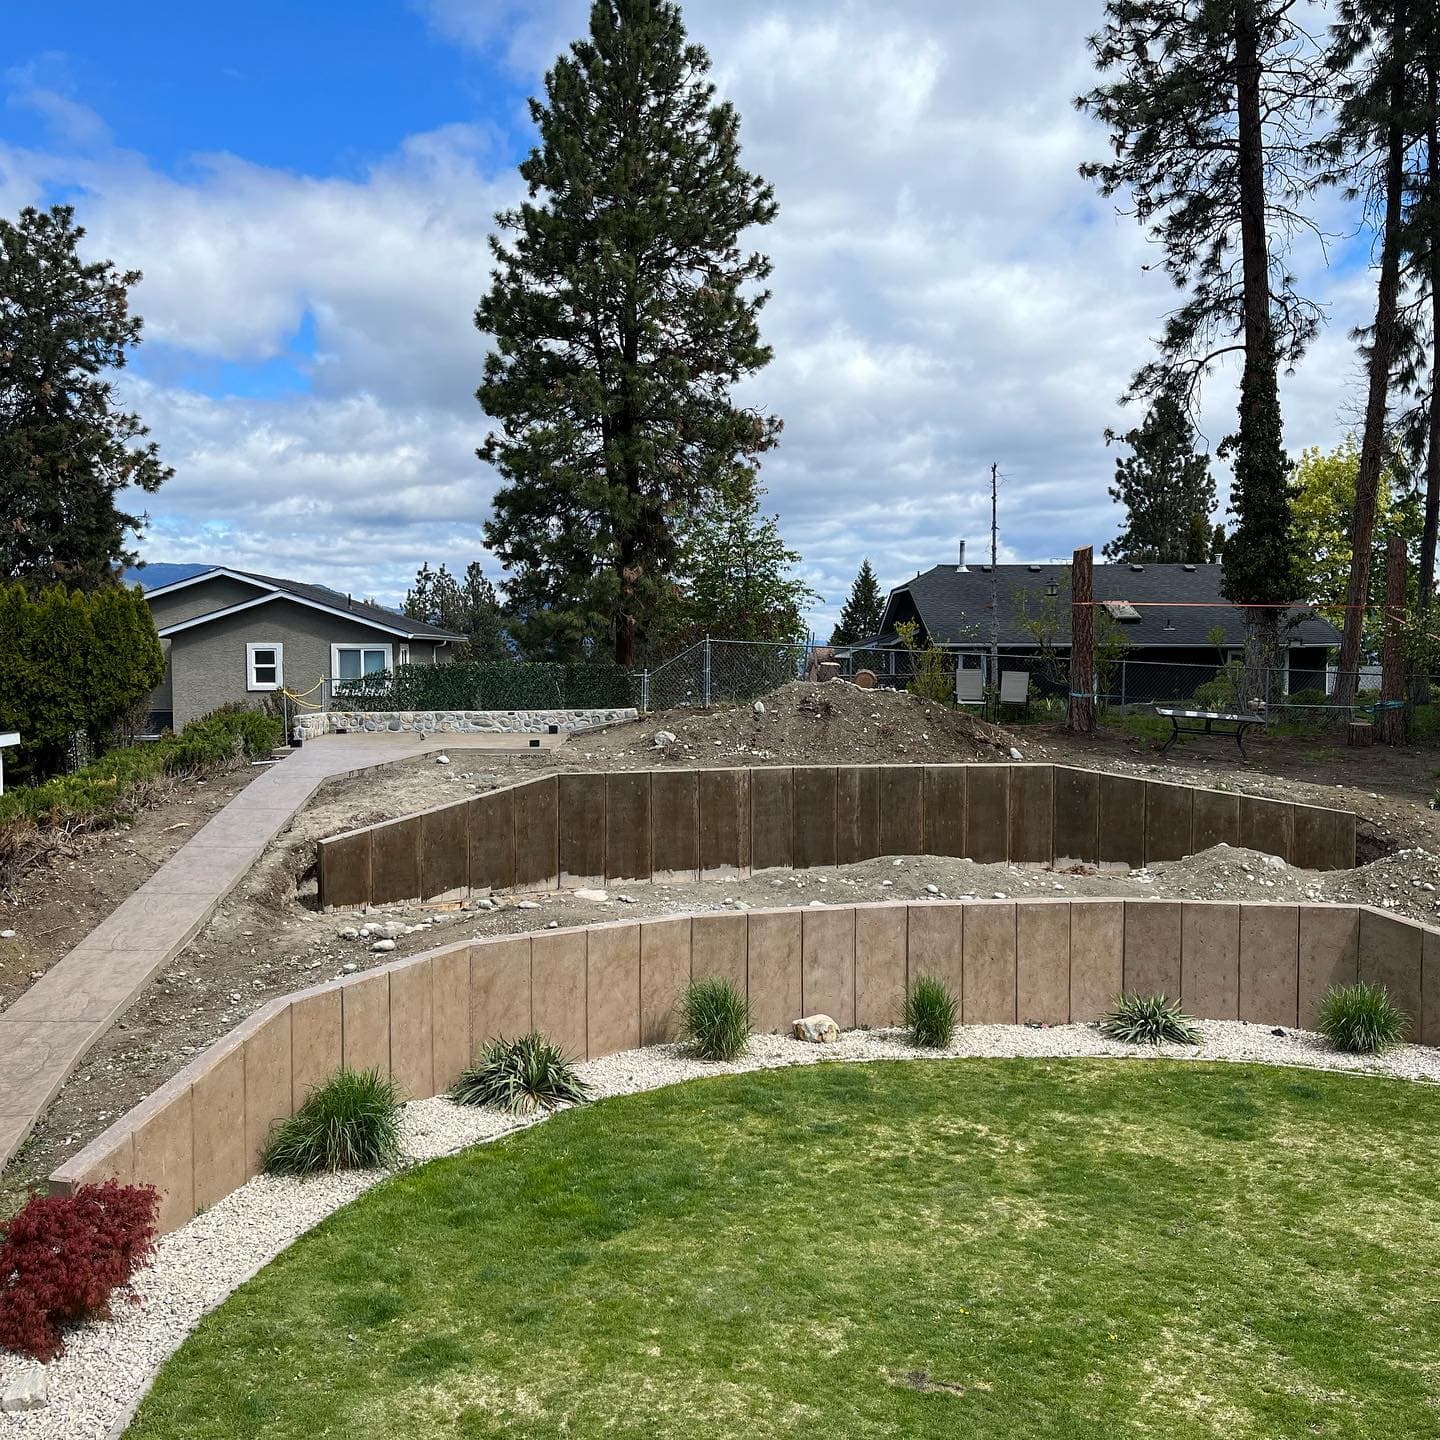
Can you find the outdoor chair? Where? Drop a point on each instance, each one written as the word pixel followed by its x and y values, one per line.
pixel 1015 688
pixel 969 687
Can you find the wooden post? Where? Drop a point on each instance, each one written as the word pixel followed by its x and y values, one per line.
pixel 1082 643
pixel 1390 713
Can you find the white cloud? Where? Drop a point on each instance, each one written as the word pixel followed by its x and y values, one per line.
pixel 948 293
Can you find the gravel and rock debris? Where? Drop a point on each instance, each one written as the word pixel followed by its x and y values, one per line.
pixel 95 1385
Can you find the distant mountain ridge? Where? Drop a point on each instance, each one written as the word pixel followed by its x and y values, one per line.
pixel 152 577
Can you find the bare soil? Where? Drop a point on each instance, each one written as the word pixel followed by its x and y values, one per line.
pixel 268 939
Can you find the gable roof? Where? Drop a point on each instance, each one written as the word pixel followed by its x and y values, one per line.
pixel 1177 605
pixel 315 597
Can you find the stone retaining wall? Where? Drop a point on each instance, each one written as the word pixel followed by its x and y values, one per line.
pixel 596 829
pixel 604 988
pixel 457 722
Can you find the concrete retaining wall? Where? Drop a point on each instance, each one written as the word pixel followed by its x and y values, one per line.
pixel 604 988
pixel 592 829
pixel 458 722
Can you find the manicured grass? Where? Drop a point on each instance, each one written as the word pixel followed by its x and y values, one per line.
pixel 947 1249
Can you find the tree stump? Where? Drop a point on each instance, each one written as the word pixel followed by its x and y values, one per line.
pixel 1359 733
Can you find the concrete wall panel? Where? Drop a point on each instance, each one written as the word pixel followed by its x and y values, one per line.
pixel 937 947
pixel 1097 956
pixel 445 851
pixel 1329 955
pixel 491 829
pixel 1216 819
pixel 901 819
pixel 675 824
pixel 613 987
pixel 1042 962
pixel 1270 965
pixel 1152 948
pixel 1267 826
pixel 944 810
pixel 537 834
pixel 557 988
pixel 395 861
pixel 218 1097
pixel 450 1009
pixel 881 940
pixel 1077 817
pixel 857 814
pixel 499 991
pixel 582 830
pixel 365 1017
pixel 165 1157
pixel 1032 814
pixel 1122 821
pixel 1168 821
pixel 814 840
pixel 317 1040
pixel 827 984
pixel 717 948
pixel 772 812
pixel 412 1022
pixel 268 1094
pixel 989 963
pixel 1210 959
pixel 724 800
pixel 987 813
pixel 345 869
pixel 1429 1031
pixel 1323 839
pixel 664 974
pixel 1390 955
pixel 775 960
pixel 627 826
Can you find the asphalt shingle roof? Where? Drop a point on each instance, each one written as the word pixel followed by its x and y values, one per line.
pixel 1178 605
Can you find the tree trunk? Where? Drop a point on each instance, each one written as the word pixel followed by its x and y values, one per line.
pixel 1082 643
pixel 1382 350
pixel 1432 448
pixel 1390 713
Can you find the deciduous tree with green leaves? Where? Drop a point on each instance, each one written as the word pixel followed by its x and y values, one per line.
pixel 623 309
pixel 1166 488
pixel 1209 117
pixel 863 609
pixel 67 451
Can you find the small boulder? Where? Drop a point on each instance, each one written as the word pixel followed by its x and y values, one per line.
pixel 382 947
pixel 595 895
pixel 663 738
pixel 348 933
pixel 758 707
pixel 28 1390
pixel 442 759
pixel 817 1029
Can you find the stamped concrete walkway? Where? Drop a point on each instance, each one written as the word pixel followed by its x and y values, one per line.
pixel 46 1032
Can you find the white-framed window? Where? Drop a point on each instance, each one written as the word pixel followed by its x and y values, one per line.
pixel 354 662
pixel 264 665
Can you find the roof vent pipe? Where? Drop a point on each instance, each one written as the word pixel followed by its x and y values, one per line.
pixel 962 555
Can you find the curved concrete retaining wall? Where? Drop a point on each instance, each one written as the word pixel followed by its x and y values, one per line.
pixel 604 988
pixel 459 722
pixel 595 829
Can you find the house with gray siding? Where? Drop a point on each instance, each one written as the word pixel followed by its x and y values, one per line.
pixel 232 635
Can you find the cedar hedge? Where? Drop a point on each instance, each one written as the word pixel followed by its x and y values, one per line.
pixel 489 685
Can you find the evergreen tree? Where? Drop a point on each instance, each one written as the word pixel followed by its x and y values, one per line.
pixel 66 450
pixel 469 607
pixel 1205 118
pixel 1166 488
pixel 861 613
pixel 736 578
pixel 623 311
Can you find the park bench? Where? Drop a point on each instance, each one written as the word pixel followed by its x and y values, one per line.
pixel 1241 724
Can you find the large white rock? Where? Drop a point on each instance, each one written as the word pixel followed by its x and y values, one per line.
pixel 29 1390
pixel 817 1029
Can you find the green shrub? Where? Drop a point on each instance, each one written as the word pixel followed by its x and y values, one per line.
pixel 350 1122
pixel 490 685
pixel 521 1076
pixel 1361 1019
pixel 1149 1020
pixel 715 1018
pixel 930 1013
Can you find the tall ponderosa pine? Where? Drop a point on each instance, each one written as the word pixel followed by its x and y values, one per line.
pixel 860 615
pixel 1166 488
pixel 66 450
pixel 1372 54
pixel 1209 120
pixel 469 606
pixel 623 311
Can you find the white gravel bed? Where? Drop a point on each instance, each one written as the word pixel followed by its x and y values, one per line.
pixel 105 1369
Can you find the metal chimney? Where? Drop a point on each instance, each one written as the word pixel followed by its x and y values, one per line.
pixel 962 554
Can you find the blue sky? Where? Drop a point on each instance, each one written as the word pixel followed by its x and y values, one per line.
pixel 308 189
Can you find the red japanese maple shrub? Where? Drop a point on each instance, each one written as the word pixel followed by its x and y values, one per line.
pixel 63 1256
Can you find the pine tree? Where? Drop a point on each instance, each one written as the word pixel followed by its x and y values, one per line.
pixel 66 450
pixel 861 614
pixel 1166 488
pixel 469 607
pixel 623 311
pixel 1204 117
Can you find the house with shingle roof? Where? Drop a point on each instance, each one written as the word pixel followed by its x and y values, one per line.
pixel 1171 615
pixel 232 635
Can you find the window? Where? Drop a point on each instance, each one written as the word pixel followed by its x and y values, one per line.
pixel 264 666
pixel 354 662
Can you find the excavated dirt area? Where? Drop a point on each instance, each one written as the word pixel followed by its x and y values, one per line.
pixel 268 939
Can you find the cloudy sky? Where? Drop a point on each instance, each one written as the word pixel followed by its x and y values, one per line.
pixel 308 190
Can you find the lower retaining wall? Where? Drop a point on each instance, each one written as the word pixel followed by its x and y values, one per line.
pixel 596 829
pixel 457 722
pixel 604 988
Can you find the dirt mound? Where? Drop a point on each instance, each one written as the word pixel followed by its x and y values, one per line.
pixel 808 723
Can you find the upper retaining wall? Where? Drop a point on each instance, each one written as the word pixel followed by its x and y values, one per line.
pixel 458 722
pixel 604 988
pixel 594 829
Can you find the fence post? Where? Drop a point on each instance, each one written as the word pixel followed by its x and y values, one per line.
pixel 705 675
pixel 644 692
pixel 1123 710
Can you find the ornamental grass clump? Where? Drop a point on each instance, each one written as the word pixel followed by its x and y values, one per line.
pixel 930 1013
pixel 521 1076
pixel 351 1122
pixel 1149 1020
pixel 1361 1019
pixel 715 1019
pixel 63 1257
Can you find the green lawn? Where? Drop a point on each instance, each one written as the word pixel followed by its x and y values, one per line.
pixel 997 1249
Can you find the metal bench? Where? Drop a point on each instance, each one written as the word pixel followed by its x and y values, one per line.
pixel 1241 724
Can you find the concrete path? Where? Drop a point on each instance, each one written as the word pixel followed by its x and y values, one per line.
pixel 47 1031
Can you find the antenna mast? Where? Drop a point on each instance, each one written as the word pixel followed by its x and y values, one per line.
pixel 995 579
